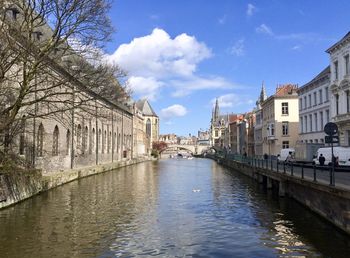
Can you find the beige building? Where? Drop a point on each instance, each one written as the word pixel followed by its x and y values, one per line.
pixel 151 122
pixel 280 119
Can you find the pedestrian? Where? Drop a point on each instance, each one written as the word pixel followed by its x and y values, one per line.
pixel 289 158
pixel 321 159
pixel 266 156
pixel 245 154
pixel 336 161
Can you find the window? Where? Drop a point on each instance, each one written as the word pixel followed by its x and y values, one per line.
pixel 336 104
pixel 327 116
pixel 284 108
pixel 14 13
pixel 305 103
pixel 301 125
pixel 216 133
pixel 99 138
pixel 347 101
pixel 321 120
pixel 310 121
pixel 79 136
pixel 300 103
pixel 327 95
pixel 284 128
pixel 85 139
pixel 104 140
pixel 315 98
pixel 348 137
pixel 315 119
pixel 305 122
pixel 55 141
pixel 109 142
pixel 285 144
pixel 40 140
pixel 309 100
pixel 92 141
pixel 68 137
pixel 272 130
pixel 113 142
pixel 320 96
pixel 148 127
pixel 346 61
pixel 335 65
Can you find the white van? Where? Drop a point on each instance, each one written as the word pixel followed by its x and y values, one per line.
pixel 343 153
pixel 284 154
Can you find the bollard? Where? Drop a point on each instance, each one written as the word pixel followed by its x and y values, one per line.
pixel 302 171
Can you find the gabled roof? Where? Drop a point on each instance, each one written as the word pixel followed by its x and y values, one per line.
pixel 145 107
pixel 340 42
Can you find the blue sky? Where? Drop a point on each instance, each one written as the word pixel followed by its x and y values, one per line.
pixel 183 54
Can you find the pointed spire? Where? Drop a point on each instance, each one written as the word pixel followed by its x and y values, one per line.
pixel 263 95
pixel 216 110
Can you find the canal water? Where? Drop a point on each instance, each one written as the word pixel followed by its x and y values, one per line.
pixel 169 208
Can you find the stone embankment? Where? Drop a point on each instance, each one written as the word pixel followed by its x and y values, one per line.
pixel 330 202
pixel 18 186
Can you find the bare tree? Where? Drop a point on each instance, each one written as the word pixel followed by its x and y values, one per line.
pixel 47 46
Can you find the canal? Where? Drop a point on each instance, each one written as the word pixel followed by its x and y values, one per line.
pixel 170 208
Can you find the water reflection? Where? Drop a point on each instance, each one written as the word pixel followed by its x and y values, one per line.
pixel 170 208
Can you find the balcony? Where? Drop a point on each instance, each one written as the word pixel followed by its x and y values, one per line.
pixel 271 137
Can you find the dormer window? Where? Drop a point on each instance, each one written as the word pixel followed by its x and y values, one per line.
pixel 37 35
pixel 14 12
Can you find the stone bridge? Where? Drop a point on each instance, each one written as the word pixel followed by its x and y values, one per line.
pixel 193 149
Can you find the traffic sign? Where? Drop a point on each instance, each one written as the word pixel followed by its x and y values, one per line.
pixel 331 139
pixel 331 128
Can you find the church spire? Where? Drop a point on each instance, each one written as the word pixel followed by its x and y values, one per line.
pixel 263 95
pixel 216 110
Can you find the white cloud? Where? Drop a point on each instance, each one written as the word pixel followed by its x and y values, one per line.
pixel 145 86
pixel 186 87
pixel 238 48
pixel 232 100
pixel 296 47
pixel 175 110
pixel 251 9
pixel 155 59
pixel 264 29
pixel 158 55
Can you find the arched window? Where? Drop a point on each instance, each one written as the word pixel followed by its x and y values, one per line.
pixel 79 136
pixel 113 141
pixel 22 136
pixel 85 139
pixel 99 140
pixel 148 127
pixel 104 141
pixel 68 138
pixel 55 138
pixel 109 142
pixel 40 140
pixel 92 141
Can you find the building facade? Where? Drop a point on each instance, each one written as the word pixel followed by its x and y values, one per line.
pixel 280 120
pixel 314 108
pixel 340 87
pixel 258 123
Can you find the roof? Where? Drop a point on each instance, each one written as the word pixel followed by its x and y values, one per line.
pixel 325 72
pixel 340 42
pixel 145 107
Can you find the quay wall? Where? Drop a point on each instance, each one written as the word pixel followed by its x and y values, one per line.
pixel 18 186
pixel 331 203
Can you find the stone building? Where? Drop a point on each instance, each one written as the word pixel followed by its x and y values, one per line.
pixel 168 138
pixel 258 123
pixel 76 127
pixel 340 87
pixel 151 122
pixel 280 119
pixel 314 108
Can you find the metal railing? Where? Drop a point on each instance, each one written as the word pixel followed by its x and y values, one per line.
pixel 303 171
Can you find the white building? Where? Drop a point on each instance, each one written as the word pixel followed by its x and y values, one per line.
pixel 314 108
pixel 340 87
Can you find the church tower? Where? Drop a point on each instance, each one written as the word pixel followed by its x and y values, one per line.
pixel 216 111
